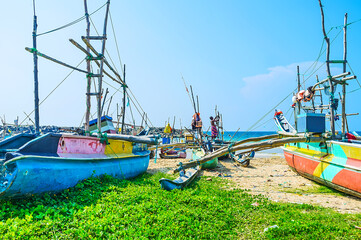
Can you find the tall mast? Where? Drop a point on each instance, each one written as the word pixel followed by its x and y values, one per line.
pixel 298 89
pixel 344 120
pixel 101 69
pixel 88 102
pixel 36 84
pixel 124 95
pixel 329 76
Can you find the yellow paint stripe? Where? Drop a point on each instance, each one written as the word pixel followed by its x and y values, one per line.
pixel 315 154
pixel 351 152
pixel 118 147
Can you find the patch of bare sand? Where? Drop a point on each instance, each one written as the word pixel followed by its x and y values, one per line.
pixel 272 178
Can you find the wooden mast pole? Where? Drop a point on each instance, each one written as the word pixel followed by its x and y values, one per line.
pixel 36 83
pixel 101 69
pixel 88 88
pixel 332 118
pixel 298 89
pixel 124 95
pixel 344 70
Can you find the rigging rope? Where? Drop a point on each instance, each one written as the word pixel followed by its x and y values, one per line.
pixel 71 23
pixel 116 42
pixel 105 48
pixel 53 90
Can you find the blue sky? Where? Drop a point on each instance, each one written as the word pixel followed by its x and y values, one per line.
pixel 238 55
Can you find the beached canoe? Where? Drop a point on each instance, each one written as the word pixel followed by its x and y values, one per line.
pixel 184 179
pixel 54 162
pixel 199 153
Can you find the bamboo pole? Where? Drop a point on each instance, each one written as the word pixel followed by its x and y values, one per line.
pixel 329 76
pixel 100 55
pixel 34 51
pixel 344 85
pixel 101 68
pixel 36 82
pixel 88 88
pixel 111 98
pixel 269 144
pixel 124 95
pixel 96 61
pixel 298 90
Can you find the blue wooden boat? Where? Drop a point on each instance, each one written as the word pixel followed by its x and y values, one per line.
pixel 54 162
pixel 184 179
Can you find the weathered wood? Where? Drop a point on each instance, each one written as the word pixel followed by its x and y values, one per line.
pixel 298 90
pixel 36 82
pixel 130 138
pixel 329 76
pixel 124 95
pixel 100 55
pixel 54 60
pixel 96 61
pixel 88 88
pixel 343 123
pixel 167 146
pixel 342 75
pixel 268 144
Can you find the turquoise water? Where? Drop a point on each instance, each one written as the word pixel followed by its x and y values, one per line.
pixel 240 135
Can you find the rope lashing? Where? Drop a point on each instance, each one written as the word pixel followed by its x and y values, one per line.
pixel 103 138
pixel 89 75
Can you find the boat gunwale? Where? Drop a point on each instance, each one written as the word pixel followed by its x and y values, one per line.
pixel 24 157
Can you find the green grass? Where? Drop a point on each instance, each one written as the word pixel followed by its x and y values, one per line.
pixel 108 208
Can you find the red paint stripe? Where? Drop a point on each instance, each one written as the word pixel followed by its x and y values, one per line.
pixel 348 179
pixel 300 163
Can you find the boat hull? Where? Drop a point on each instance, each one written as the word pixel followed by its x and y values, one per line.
pixel 213 163
pixel 336 164
pixel 181 182
pixel 55 162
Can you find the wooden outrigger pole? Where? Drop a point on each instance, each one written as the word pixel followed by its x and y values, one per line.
pixel 255 146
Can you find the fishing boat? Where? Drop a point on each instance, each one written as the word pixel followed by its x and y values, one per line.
pixel 54 162
pixel 172 152
pixel 336 160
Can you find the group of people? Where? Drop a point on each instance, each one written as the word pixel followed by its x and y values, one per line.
pixel 197 124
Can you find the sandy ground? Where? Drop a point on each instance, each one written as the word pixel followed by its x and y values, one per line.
pixel 271 177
